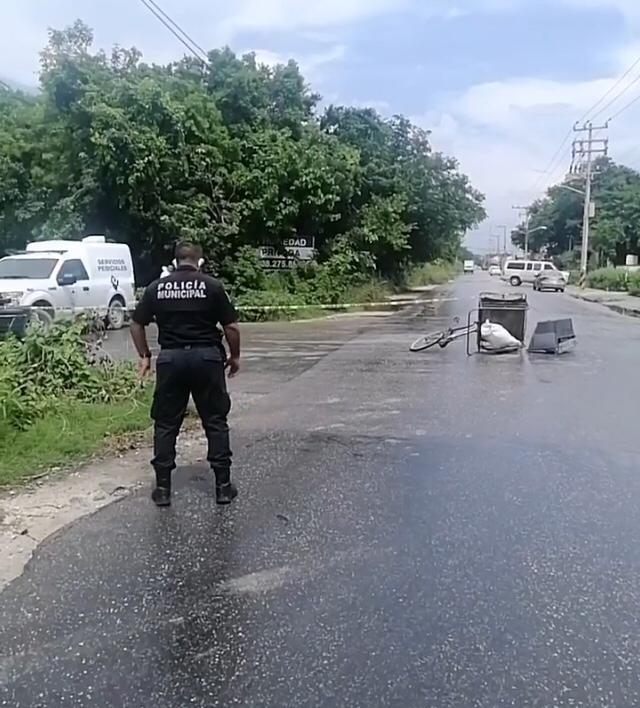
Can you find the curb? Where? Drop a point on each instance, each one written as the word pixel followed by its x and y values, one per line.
pixel 629 312
pixel 614 307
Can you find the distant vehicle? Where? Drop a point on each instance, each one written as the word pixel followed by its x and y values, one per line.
pixel 468 267
pixel 518 271
pixel 57 278
pixel 495 270
pixel 550 280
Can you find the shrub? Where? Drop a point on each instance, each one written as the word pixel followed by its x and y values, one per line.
pixel 614 279
pixel 372 291
pixel 48 366
pixel 633 283
pixel 267 305
pixel 434 273
pixel 243 272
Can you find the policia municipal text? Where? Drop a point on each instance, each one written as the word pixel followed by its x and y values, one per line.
pixel 188 306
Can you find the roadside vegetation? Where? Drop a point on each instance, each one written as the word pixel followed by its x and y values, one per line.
pixel 57 404
pixel 307 291
pixel 432 273
pixel 615 280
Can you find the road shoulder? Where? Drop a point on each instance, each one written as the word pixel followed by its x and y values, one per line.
pixel 620 302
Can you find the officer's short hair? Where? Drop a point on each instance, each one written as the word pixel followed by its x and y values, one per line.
pixel 188 251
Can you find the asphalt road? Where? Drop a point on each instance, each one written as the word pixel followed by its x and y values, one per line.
pixel 413 530
pixel 273 353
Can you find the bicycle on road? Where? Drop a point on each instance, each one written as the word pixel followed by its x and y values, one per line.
pixel 444 337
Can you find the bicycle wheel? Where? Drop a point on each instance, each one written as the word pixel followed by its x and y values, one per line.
pixel 427 341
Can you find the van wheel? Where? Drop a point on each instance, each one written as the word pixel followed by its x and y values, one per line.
pixel 515 281
pixel 116 314
pixel 42 314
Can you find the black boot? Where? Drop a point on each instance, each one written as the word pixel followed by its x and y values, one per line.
pixel 226 492
pixel 161 495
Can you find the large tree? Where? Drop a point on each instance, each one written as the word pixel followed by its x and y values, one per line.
pixel 230 154
pixel 615 229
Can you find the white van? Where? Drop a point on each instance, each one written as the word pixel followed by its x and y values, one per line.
pixel 517 271
pixel 59 278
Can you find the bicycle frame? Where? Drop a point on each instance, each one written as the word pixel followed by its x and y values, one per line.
pixel 454 333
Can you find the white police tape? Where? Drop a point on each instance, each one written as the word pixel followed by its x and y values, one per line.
pixel 351 305
pixel 347 305
pixel 13 310
pixel 326 306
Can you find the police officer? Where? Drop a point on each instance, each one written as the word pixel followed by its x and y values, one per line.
pixel 188 306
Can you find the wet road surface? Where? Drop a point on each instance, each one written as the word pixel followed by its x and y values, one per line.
pixel 414 530
pixel 272 352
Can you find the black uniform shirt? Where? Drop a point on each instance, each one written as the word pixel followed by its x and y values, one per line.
pixel 187 306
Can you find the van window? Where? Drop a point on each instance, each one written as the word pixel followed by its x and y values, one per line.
pixel 29 268
pixel 549 266
pixel 529 266
pixel 515 266
pixel 74 267
pixel 537 266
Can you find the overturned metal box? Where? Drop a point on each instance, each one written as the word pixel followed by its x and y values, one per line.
pixel 553 337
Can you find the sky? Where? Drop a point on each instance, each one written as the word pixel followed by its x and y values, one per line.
pixel 499 83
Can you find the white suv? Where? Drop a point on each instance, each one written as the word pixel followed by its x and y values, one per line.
pixel 517 271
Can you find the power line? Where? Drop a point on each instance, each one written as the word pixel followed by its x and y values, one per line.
pixel 615 98
pixel 552 166
pixel 177 26
pixel 624 108
pixel 609 92
pixel 177 31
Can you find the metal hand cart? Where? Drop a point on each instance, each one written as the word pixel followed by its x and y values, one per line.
pixel 506 309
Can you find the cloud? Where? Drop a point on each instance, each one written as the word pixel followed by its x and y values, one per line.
pixel 23 38
pixel 311 65
pixel 382 107
pixel 506 133
pixel 629 9
pixel 266 56
pixel 265 15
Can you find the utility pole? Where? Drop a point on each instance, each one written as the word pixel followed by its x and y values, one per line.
pixel 582 164
pixel 524 211
pixel 494 244
pixel 504 233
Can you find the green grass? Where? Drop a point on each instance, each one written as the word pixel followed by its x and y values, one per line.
pixel 76 433
pixel 275 305
pixel 431 274
pixel 612 279
pixel 373 291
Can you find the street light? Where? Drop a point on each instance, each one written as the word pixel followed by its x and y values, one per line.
pixel 581 192
pixel 528 233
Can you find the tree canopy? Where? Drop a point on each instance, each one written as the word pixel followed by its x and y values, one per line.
pixel 233 155
pixel 615 229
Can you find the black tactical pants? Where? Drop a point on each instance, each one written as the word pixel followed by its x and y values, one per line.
pixel 198 372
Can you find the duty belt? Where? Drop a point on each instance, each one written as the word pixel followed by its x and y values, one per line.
pixel 190 346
